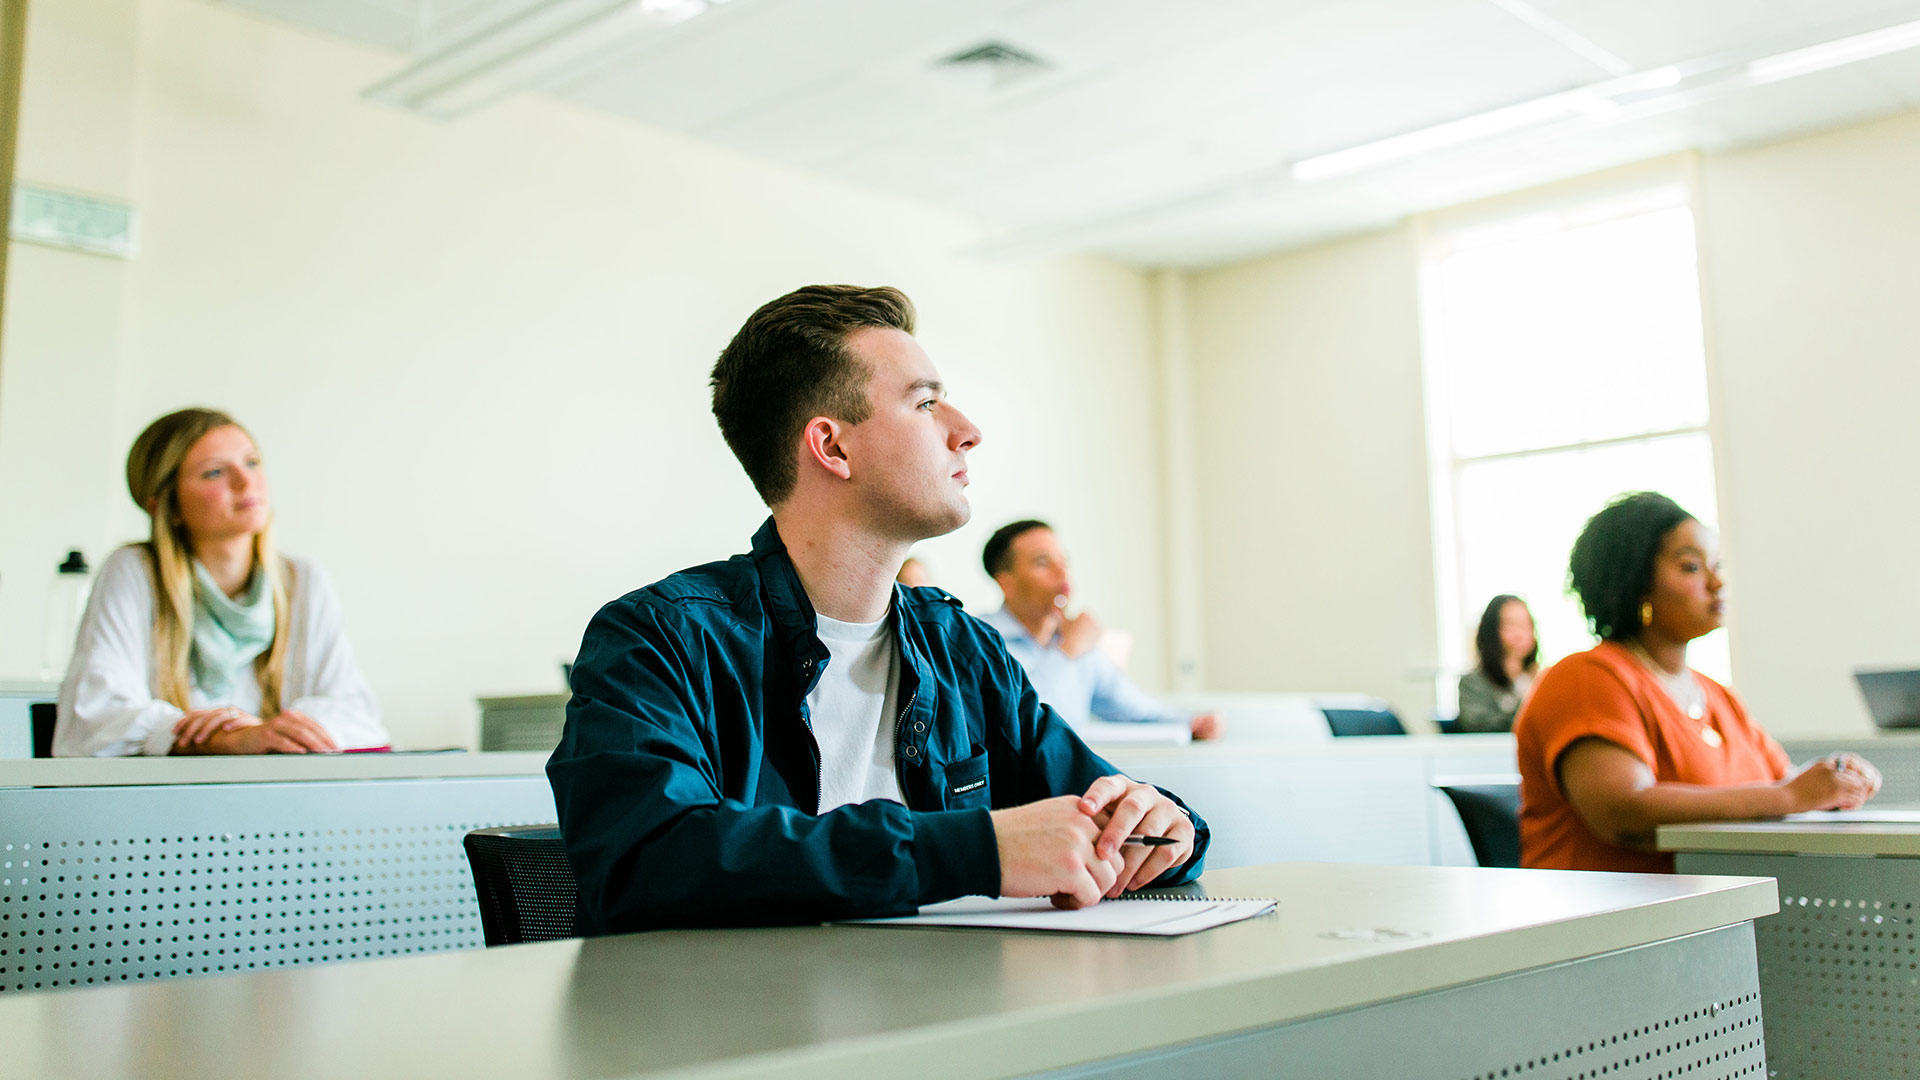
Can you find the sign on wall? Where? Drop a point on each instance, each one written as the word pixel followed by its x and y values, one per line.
pixel 75 222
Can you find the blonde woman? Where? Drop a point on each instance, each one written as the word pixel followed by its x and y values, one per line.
pixel 203 640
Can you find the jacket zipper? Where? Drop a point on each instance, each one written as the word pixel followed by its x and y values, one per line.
pixel 900 724
pixel 813 743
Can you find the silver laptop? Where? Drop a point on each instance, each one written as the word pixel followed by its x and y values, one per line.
pixel 1893 697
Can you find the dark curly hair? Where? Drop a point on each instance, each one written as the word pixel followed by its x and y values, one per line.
pixel 1611 570
pixel 1493 651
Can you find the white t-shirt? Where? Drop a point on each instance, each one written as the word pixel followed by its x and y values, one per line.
pixel 852 709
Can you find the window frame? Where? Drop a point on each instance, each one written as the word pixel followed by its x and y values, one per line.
pixel 1620 194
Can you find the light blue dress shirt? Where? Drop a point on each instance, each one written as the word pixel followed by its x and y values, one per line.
pixel 1079 688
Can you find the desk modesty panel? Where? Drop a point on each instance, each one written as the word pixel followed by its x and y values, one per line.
pixel 1362 972
pixel 117 871
pixel 1840 963
pixel 1346 800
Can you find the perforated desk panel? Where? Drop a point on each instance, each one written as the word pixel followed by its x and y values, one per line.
pixel 120 884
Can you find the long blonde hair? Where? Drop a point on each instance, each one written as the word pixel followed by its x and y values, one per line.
pixel 153 479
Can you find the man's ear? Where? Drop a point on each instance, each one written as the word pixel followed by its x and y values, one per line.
pixel 821 438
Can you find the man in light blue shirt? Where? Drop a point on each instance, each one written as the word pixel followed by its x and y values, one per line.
pixel 1060 653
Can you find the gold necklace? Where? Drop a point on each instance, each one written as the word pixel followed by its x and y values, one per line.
pixel 1685 691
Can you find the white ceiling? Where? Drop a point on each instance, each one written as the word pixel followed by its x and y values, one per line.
pixel 1163 133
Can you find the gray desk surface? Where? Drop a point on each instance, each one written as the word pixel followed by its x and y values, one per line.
pixel 1441 746
pixel 1893 831
pixel 861 1001
pixel 265 768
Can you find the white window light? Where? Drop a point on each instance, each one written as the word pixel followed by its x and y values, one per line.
pixel 520 51
pixel 1832 54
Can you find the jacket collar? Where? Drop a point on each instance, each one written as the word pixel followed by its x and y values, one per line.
pixel 787 603
pixel 794 620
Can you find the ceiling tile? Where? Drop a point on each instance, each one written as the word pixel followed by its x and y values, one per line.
pixel 1654 33
pixel 1163 131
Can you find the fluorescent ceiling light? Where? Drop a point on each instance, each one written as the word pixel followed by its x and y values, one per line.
pixel 1660 78
pixel 1600 101
pixel 1627 97
pixel 1452 133
pixel 523 50
pixel 1832 54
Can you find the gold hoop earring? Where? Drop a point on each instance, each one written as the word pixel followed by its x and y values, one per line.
pixel 1646 613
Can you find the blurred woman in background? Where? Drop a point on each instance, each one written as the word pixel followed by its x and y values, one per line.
pixel 1492 693
pixel 203 639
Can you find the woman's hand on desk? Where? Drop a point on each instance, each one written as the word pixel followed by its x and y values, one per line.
pixel 1125 807
pixel 1618 798
pixel 1840 782
pixel 287 733
pixel 198 726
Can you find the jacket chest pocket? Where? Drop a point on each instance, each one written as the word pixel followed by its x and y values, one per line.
pixel 964 783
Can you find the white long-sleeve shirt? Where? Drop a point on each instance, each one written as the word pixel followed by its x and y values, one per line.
pixel 107 704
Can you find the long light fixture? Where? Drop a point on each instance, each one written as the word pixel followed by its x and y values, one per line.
pixel 1626 97
pixel 1598 100
pixel 523 50
pixel 1833 54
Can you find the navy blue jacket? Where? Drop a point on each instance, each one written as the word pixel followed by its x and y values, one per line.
pixel 688 780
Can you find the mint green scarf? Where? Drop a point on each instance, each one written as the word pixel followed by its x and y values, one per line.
pixel 228 633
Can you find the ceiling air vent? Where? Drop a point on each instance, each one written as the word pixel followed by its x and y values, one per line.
pixel 993 65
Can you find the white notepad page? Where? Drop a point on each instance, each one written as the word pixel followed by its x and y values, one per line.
pixel 1154 916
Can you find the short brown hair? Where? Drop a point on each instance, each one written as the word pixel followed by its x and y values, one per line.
pixel 789 363
pixel 998 554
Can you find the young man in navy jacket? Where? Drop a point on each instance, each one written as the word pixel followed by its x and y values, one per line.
pixel 789 736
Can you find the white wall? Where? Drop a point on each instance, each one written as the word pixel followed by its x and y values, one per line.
pixel 1311 449
pixel 1812 275
pixel 475 353
pixel 62 328
pixel 1318 552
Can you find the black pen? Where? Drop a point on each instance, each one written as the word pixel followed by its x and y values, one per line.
pixel 1150 841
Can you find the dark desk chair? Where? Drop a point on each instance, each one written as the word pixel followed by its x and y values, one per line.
pixel 525 884
pixel 41 714
pixel 1344 722
pixel 1489 808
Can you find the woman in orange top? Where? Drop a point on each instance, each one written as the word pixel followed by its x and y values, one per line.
pixel 1626 737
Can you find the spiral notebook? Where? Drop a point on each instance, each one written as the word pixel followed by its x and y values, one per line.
pixel 1157 916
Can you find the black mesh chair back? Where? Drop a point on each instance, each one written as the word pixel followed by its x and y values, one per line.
pixel 1489 809
pixel 41 715
pixel 525 884
pixel 1363 722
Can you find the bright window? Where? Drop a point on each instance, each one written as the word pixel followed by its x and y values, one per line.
pixel 1565 367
